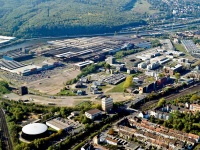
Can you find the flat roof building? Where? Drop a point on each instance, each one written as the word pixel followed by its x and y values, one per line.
pixel 82 65
pixel 61 124
pixel 93 113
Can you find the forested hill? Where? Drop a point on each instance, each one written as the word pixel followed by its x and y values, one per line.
pixel 35 18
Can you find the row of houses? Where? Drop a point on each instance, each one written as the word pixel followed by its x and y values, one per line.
pixel 165 112
pixel 156 135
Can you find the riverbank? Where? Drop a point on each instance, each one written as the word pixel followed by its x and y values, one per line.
pixel 12 43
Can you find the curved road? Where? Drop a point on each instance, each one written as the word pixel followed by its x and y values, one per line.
pixel 5 136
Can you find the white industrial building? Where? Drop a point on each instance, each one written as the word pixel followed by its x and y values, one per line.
pixel 61 124
pixel 82 65
pixel 23 69
pixel 153 65
pixel 174 53
pixel 142 57
pixel 142 65
pixel 143 44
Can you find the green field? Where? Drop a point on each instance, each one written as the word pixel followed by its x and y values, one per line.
pixel 180 47
pixel 142 6
pixel 66 93
pixel 117 88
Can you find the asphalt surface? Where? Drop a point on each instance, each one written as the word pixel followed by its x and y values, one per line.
pixel 5 137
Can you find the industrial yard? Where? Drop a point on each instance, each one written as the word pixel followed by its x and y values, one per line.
pixel 99 78
pixel 47 70
pixel 54 83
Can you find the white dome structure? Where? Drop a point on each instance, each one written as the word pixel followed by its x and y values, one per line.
pixel 34 130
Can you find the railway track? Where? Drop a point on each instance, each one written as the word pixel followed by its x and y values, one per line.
pixel 172 96
pixel 5 136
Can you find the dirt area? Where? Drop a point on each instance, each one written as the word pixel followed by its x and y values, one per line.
pixel 118 97
pixel 35 60
pixel 55 83
pixel 33 116
pixel 69 101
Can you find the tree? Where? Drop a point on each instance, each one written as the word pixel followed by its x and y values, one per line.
pixel 177 76
pixel 111 132
pixel 194 98
pixel 161 75
pixel 155 43
pixel 89 78
pixel 107 66
pixel 128 82
pixel 161 102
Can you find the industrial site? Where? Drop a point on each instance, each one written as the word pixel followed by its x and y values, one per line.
pixel 90 82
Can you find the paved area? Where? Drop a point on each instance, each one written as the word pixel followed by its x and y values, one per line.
pixel 64 100
pixel 53 84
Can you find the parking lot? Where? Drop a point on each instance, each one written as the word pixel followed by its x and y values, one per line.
pixel 55 83
pixel 48 81
pixel 115 79
pixel 33 77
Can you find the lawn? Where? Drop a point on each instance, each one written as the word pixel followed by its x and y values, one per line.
pixel 52 130
pixel 197 147
pixel 180 48
pixel 84 104
pixel 66 93
pixel 142 6
pixel 117 88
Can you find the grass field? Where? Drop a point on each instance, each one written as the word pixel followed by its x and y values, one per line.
pixel 180 48
pixel 117 88
pixel 66 93
pixel 142 6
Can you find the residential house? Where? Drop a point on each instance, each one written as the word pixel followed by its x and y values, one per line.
pixel 111 141
pixel 194 107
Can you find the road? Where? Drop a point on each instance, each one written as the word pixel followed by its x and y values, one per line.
pixel 7 144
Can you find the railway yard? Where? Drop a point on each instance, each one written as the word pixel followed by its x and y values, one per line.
pixel 172 96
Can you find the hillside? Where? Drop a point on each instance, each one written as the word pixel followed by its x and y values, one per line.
pixel 33 18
